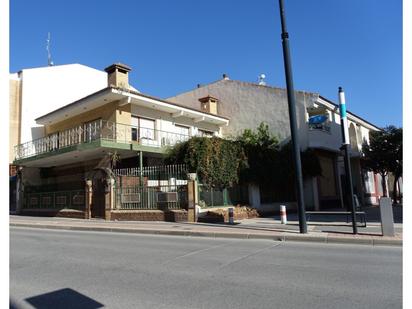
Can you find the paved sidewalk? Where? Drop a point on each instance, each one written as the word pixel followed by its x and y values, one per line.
pixel 258 228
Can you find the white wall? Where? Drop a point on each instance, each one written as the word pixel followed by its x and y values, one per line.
pixel 48 88
pixel 165 122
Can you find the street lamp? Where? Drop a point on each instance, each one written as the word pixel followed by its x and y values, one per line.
pixel 292 119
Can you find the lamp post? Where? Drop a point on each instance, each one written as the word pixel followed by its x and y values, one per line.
pixel 292 119
pixel 345 146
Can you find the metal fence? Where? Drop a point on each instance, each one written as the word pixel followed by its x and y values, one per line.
pixel 159 197
pixel 55 200
pixel 153 187
pixel 210 197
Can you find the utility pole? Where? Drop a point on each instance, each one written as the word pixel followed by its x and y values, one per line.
pixel 292 119
pixel 346 147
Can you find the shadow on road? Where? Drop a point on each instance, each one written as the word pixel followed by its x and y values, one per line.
pixel 64 298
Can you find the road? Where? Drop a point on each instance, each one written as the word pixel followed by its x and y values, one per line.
pixel 75 269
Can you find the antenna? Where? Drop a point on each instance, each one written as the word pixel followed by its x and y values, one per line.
pixel 49 61
pixel 261 79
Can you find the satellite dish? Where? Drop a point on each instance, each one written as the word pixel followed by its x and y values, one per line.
pixel 262 79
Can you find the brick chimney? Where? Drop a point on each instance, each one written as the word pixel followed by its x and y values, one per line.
pixel 118 75
pixel 209 104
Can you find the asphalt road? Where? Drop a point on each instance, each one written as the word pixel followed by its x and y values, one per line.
pixel 73 269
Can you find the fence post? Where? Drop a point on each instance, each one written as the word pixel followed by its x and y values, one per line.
pixel 89 195
pixel 108 198
pixel 283 217
pixel 231 215
pixel 191 199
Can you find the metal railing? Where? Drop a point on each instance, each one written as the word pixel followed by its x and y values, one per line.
pixel 99 129
pixel 74 199
pixel 159 172
pixel 319 127
pixel 157 197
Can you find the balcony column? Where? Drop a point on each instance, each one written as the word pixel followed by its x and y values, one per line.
pixel 89 196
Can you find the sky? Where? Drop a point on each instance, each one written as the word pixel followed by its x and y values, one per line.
pixel 174 45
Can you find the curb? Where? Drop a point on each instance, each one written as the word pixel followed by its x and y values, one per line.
pixel 276 237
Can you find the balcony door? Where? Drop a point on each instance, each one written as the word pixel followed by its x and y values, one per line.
pixel 143 129
pixel 92 130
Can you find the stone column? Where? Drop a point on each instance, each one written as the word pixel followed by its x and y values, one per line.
pixel 108 198
pixel 191 199
pixel 89 196
pixel 315 193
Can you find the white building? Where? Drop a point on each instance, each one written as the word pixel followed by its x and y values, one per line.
pixel 35 92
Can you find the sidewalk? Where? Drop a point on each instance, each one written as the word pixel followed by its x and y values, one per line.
pixel 258 228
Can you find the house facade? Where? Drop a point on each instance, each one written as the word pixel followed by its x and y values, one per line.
pixel 249 104
pixel 79 141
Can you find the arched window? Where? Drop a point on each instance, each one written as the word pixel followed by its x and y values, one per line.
pixel 352 137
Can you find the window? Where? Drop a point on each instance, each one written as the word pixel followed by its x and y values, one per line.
pixel 92 131
pixel 318 118
pixel 143 128
pixel 183 130
pixel 205 133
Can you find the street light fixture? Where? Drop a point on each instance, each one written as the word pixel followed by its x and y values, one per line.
pixel 292 119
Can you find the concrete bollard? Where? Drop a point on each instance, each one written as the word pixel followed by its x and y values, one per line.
pixel 231 221
pixel 386 212
pixel 283 218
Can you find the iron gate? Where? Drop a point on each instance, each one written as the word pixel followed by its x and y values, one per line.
pixel 161 187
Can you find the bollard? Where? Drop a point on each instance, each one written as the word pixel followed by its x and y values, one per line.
pixel 231 215
pixel 283 218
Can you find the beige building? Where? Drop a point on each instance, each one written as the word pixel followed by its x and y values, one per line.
pixel 80 140
pixel 15 114
pixel 249 104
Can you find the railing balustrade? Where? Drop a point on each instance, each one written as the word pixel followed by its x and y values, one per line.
pixel 319 127
pixel 99 129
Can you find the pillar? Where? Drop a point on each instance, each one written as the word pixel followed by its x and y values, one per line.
pixel 19 193
pixel 315 192
pixel 108 198
pixel 89 196
pixel 191 200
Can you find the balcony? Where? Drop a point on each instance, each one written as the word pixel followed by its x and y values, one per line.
pixel 111 133
pixel 323 127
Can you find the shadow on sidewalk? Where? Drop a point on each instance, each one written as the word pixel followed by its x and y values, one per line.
pixel 350 233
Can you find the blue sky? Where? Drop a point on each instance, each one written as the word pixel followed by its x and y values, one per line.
pixel 174 45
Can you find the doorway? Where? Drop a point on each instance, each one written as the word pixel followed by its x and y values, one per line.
pixel 98 199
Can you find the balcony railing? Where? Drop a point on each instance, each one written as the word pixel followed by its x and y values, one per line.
pixel 319 127
pixel 98 130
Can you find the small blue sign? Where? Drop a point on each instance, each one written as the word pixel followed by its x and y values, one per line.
pixel 318 119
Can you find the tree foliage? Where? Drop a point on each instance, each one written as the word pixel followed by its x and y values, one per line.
pixel 383 154
pixel 270 164
pixel 215 160
pixel 261 151
pixel 253 157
